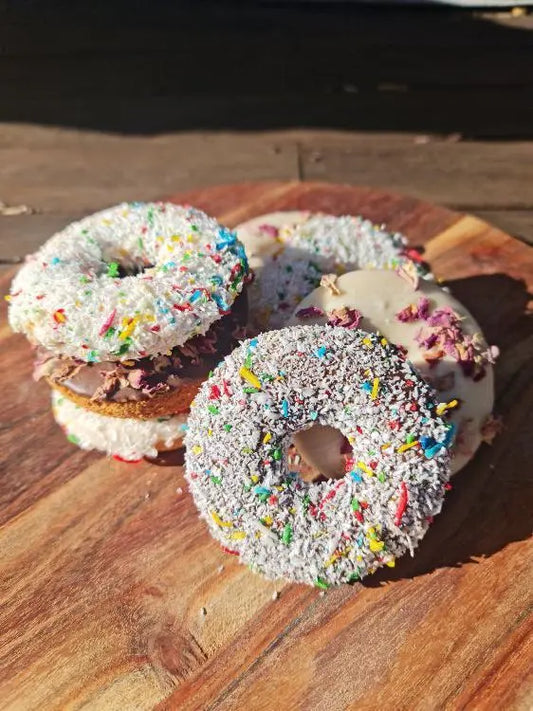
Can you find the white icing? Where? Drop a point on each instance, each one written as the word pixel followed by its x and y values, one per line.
pixel 379 296
pixel 125 437
pixel 66 299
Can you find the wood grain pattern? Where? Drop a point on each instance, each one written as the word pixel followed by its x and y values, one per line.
pixel 115 597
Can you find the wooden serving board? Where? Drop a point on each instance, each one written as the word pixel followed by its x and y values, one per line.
pixel 113 595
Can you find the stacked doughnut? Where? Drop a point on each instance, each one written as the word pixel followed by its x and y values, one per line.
pixel 129 309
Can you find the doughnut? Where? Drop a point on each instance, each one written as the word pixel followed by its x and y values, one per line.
pixel 290 251
pixel 129 309
pixel 328 532
pixel 440 337
pixel 126 438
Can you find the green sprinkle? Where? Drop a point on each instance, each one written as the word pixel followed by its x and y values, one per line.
pixel 248 391
pixel 72 438
pixel 354 503
pixel 276 454
pixel 140 243
pixel 110 331
pixel 124 347
pixel 228 427
pixel 93 356
pixel 319 583
pixel 410 438
pixel 353 577
pixel 248 361
pixel 306 501
pixel 286 536
pixel 150 216
pixel 216 480
pixel 84 280
pixel 112 269
pixel 381 477
pixel 263 497
pixel 213 409
pixel 194 228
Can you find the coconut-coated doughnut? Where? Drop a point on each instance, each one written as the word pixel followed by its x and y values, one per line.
pixel 137 279
pixel 440 337
pixel 320 533
pixel 290 251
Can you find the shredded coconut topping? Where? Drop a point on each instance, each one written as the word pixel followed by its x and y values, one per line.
pixel 134 280
pixel 330 532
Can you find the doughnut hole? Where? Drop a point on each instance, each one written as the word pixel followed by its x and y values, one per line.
pixel 122 268
pixel 326 446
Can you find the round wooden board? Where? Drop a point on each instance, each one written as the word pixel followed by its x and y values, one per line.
pixel 115 597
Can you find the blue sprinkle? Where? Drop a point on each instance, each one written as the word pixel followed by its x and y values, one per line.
pixel 55 260
pixel 184 428
pixel 261 490
pixel 321 352
pixel 219 301
pixel 226 238
pixel 427 442
pixel 313 415
pixel 285 408
pixel 450 434
pixel 356 476
pixel 367 387
pixel 253 343
pixel 216 279
pixel 432 451
pixel 196 295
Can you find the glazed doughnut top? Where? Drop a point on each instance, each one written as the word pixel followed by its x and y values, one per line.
pixel 132 281
pixel 335 531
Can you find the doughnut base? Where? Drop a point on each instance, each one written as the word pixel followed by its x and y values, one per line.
pixel 127 438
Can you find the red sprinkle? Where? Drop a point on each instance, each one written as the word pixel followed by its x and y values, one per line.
pixel 228 550
pixel 214 393
pixel 225 386
pixel 107 323
pixel 402 504
pixel 359 516
pixel 126 461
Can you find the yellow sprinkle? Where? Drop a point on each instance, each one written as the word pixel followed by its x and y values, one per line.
pixel 258 534
pixel 332 560
pixel 190 238
pixel 375 388
pixel 336 556
pixel 384 342
pixel 365 468
pixel 443 406
pixel 197 449
pixel 254 478
pixel 359 558
pixel 371 532
pixel 238 535
pixel 386 445
pixel 351 439
pixel 129 328
pixel 170 247
pixel 268 521
pixel 405 447
pixel 7 297
pixel 367 342
pixel 250 377
pixel 376 546
pixel 391 563
pixel 175 238
pixel 267 438
pixel 216 518
pixel 209 433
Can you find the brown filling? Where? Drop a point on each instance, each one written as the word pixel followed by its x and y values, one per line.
pixel 136 380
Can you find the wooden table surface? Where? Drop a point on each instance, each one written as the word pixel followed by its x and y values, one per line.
pixel 115 597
